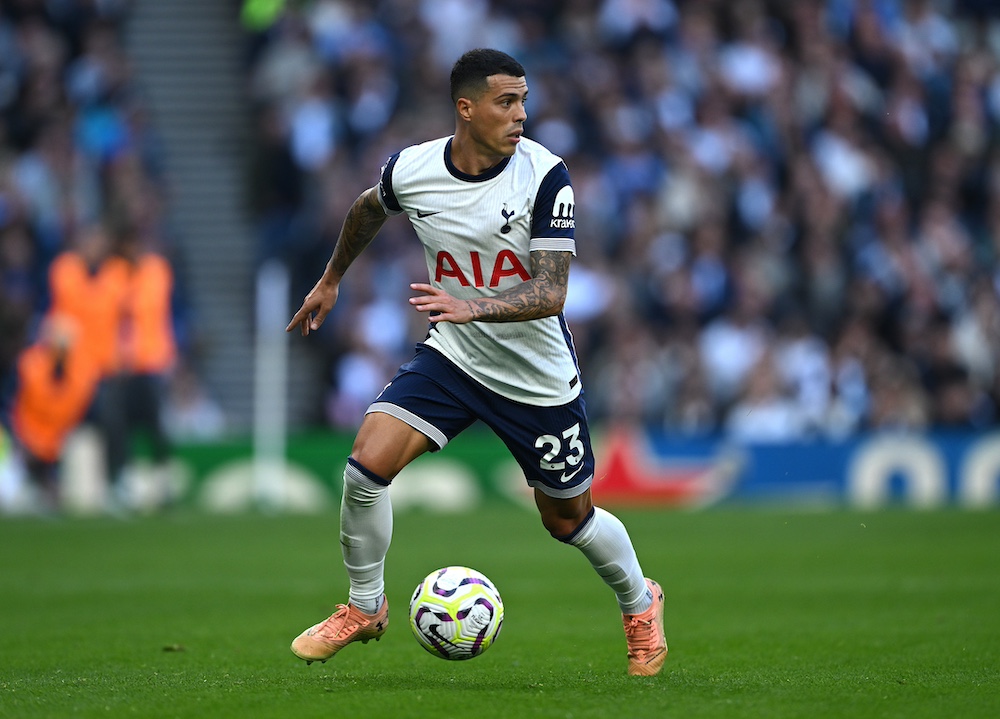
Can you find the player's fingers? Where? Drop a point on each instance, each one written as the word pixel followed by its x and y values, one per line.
pixel 318 318
pixel 296 320
pixel 422 302
pixel 425 288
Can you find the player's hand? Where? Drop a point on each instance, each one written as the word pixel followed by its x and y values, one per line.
pixel 442 306
pixel 315 307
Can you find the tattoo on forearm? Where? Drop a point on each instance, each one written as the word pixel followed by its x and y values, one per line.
pixel 541 296
pixel 362 223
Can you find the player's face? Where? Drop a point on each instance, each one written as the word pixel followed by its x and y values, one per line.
pixel 498 120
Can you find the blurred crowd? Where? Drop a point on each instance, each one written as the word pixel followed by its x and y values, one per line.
pixel 788 211
pixel 88 308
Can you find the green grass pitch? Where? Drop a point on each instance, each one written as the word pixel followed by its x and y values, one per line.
pixel 770 613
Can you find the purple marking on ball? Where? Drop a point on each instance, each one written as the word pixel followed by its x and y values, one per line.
pixel 443 592
pixel 477 645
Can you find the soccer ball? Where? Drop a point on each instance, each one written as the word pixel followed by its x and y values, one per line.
pixel 456 613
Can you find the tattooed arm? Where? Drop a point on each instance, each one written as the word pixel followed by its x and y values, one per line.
pixel 542 296
pixel 362 223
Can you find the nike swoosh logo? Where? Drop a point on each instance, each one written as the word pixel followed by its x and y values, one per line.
pixel 428 214
pixel 568 477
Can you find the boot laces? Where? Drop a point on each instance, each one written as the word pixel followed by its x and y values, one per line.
pixel 640 635
pixel 336 623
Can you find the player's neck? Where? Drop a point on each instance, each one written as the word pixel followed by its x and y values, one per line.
pixel 470 158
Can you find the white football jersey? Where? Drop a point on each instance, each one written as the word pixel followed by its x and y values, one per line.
pixel 478 233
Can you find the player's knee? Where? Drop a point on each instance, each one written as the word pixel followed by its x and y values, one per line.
pixel 561 527
pixel 375 460
pixel 563 518
pixel 384 445
pixel 362 487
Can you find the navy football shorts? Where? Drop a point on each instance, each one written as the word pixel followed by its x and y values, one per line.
pixel 551 444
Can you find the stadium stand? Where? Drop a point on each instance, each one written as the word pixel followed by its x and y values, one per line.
pixel 788 209
pixel 785 209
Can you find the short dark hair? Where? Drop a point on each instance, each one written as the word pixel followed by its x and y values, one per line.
pixel 468 76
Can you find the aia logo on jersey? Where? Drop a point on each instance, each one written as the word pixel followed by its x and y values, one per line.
pixel 505 264
pixel 563 210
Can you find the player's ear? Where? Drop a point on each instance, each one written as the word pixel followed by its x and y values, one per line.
pixel 464 108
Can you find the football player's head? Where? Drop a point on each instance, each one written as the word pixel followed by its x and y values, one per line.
pixel 490 90
pixel 471 72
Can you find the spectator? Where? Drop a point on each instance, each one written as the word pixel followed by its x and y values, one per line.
pixel 765 410
pixel 133 394
pixel 189 413
pixel 88 284
pixel 57 379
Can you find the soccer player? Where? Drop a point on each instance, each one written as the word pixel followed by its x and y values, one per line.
pixel 495 214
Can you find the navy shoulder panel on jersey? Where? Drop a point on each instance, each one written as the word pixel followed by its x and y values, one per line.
pixel 385 184
pixel 554 209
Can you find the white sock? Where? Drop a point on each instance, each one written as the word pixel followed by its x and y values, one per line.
pixel 365 533
pixel 604 541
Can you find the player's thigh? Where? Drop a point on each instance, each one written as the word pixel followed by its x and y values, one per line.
pixel 551 444
pixel 385 444
pixel 427 395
